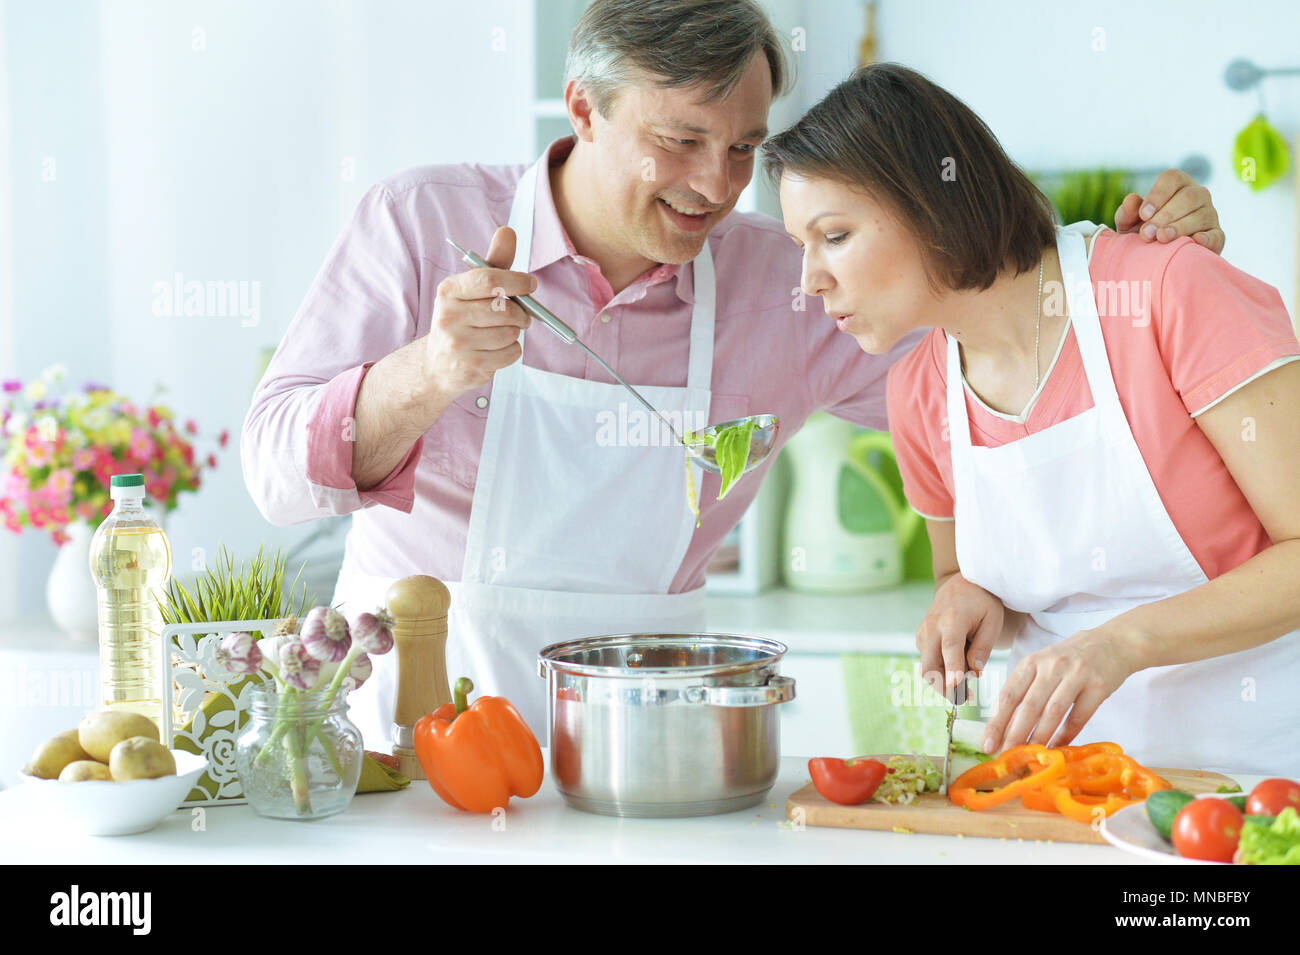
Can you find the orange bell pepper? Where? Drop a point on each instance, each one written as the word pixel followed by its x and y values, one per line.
pixel 1045 765
pixel 477 757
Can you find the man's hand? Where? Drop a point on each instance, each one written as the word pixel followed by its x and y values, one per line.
pixel 1175 206
pixel 475 327
pixel 961 611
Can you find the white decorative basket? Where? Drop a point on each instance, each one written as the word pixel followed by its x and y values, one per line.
pixel 204 706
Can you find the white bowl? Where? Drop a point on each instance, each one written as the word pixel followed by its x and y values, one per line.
pixel 103 808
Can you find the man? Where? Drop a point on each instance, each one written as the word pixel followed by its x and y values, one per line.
pixel 550 504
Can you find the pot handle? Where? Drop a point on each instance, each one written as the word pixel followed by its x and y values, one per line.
pixel 778 689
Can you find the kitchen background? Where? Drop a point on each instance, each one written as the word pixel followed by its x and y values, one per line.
pixel 156 141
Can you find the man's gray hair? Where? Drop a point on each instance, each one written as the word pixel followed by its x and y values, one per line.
pixel 678 42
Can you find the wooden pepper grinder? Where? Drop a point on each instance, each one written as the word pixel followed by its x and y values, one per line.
pixel 418 605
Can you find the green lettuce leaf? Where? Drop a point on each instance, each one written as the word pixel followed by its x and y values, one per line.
pixel 1277 843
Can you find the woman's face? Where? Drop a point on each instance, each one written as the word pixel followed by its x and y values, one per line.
pixel 864 264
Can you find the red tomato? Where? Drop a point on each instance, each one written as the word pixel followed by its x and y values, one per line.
pixel 1272 796
pixel 1207 829
pixel 847 782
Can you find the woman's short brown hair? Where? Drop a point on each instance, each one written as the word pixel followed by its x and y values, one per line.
pixel 921 152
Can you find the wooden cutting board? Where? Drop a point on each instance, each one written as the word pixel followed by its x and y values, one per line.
pixel 933 813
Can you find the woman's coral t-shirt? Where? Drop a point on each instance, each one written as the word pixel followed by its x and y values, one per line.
pixel 1183 329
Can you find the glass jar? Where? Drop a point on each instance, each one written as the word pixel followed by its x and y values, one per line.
pixel 299 756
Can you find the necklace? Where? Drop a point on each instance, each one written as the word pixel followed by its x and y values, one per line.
pixel 1038 315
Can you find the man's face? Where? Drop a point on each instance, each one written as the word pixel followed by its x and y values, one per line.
pixel 663 146
pixel 860 259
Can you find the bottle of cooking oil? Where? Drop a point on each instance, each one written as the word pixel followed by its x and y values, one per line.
pixel 130 560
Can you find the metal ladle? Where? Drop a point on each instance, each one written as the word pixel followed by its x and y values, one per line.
pixel 766 426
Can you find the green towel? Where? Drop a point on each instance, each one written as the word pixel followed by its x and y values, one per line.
pixel 893 710
pixel 378 778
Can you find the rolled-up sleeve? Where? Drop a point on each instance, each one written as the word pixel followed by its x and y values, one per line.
pixel 297 438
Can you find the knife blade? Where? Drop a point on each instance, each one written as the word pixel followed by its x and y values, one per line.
pixel 958 699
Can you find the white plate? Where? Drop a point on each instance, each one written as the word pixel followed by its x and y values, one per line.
pixel 103 808
pixel 1131 830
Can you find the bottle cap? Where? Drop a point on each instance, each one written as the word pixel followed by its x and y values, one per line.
pixel 130 486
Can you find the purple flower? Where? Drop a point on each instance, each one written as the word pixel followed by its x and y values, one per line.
pixel 298 668
pixel 12 385
pixel 239 653
pixel 325 634
pixel 374 632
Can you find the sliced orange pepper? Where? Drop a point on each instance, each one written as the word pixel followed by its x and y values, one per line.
pixel 1073 753
pixel 1099 773
pixel 1082 807
pixel 1045 765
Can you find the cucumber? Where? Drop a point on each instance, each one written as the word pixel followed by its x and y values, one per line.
pixel 1162 806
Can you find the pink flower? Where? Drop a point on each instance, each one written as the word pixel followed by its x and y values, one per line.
pixel 12 385
pixel 13 524
pixel 212 460
pixel 298 668
pixel 83 459
pixel 239 653
pixel 86 510
pixel 60 537
pixel 191 427
pixel 60 484
pixel 38 453
pixel 153 417
pixel 142 446
pixel 225 437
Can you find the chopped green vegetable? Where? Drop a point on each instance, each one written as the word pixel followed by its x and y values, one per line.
pixel 963 749
pixel 906 778
pixel 1225 788
pixel 1270 842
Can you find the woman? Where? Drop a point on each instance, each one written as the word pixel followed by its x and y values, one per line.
pixel 1101 432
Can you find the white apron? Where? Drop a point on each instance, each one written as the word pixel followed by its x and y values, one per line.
pixel 575 530
pixel 1067 526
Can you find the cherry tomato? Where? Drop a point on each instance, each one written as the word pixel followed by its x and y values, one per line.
pixel 1207 829
pixel 848 782
pixel 1272 796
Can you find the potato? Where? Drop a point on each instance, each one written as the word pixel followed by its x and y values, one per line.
pixel 84 770
pixel 54 754
pixel 100 732
pixel 140 758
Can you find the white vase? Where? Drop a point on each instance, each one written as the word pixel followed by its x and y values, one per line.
pixel 70 590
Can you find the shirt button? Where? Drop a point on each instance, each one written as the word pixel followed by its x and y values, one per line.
pixel 481 401
pixel 606 317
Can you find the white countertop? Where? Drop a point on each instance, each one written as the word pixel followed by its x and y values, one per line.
pixel 415 826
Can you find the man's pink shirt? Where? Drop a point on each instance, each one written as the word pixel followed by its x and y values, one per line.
pixel 775 351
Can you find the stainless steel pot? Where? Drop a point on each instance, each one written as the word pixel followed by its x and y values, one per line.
pixel 664 724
